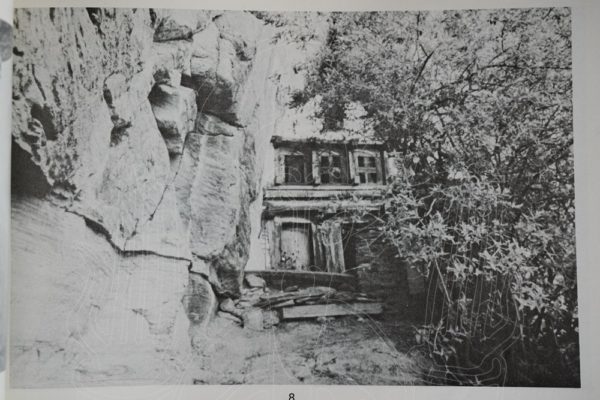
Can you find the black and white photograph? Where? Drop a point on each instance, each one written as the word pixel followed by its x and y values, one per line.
pixel 203 197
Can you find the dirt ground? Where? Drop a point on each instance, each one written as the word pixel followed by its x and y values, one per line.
pixel 344 350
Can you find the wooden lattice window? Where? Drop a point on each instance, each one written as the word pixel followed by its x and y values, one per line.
pixel 368 168
pixel 294 167
pixel 332 168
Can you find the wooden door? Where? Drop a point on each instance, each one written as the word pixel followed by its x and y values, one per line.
pixel 330 235
pixel 296 246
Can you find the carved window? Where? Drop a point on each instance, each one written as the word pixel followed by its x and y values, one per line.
pixel 294 165
pixel 368 168
pixel 332 168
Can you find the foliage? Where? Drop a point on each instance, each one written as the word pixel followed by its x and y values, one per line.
pixel 478 105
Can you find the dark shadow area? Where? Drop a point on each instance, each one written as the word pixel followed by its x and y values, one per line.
pixel 26 177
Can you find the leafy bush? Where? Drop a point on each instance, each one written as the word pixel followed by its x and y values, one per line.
pixel 504 281
pixel 477 105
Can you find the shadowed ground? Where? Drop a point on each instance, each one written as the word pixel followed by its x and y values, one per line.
pixel 344 351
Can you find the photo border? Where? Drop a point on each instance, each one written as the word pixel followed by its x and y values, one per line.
pixel 586 102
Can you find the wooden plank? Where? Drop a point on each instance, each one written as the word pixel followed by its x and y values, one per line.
pixel 286 303
pixel 275 243
pixel 330 310
pixel 316 247
pixel 324 237
pixel 296 245
pixel 272 243
pixel 293 220
pixel 280 279
pixel 338 263
pixel 331 237
pixel 310 291
pixel 315 168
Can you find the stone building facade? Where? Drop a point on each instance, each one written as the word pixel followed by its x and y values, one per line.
pixel 320 214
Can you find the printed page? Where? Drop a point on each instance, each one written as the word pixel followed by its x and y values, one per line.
pixel 5 112
pixel 333 200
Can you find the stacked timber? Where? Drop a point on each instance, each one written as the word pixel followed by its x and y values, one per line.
pixel 318 301
pixel 274 296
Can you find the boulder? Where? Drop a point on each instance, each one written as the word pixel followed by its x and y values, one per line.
pixel 199 302
pixel 254 281
pixel 228 306
pixel 270 319
pixel 229 316
pixel 253 319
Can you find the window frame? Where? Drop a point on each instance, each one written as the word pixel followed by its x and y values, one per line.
pixel 366 169
pixel 280 172
pixel 344 177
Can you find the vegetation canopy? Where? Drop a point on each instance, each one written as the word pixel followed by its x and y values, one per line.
pixel 478 105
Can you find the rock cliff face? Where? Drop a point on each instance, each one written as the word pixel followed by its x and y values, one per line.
pixel 142 134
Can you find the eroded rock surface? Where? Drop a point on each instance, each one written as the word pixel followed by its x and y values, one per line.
pixel 77 304
pixel 147 130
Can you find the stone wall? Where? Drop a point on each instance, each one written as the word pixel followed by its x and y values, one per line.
pixel 383 274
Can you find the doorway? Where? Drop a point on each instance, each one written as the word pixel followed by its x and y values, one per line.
pixel 296 248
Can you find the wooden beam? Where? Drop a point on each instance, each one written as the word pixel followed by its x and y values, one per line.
pixel 322 192
pixel 273 208
pixel 281 279
pixel 330 310
pixel 279 141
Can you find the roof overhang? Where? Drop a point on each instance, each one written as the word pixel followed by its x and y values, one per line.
pixel 279 141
